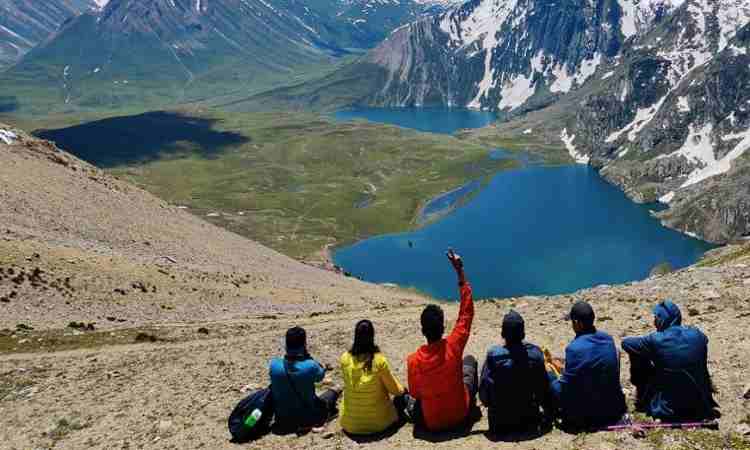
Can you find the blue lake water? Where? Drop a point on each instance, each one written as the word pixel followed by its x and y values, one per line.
pixel 535 230
pixel 433 120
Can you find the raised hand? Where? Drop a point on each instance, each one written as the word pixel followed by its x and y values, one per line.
pixel 457 263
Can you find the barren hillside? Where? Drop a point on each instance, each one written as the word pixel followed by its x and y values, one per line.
pixel 186 315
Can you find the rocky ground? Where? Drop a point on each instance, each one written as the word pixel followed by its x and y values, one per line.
pixel 128 323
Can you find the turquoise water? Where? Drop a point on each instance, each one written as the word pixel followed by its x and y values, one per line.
pixel 433 120
pixel 536 230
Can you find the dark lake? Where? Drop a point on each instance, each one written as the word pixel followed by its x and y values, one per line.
pixel 536 230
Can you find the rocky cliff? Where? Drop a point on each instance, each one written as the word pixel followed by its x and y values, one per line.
pixel 671 121
pixel 507 56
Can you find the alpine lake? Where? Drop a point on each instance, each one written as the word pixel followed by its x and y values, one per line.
pixel 536 230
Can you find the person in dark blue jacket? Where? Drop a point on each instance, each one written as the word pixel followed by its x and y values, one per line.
pixel 669 369
pixel 588 393
pixel 515 386
pixel 293 379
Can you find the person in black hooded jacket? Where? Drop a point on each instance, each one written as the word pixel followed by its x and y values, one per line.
pixel 669 369
pixel 514 385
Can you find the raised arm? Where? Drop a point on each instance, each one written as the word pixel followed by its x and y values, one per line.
pixel 461 331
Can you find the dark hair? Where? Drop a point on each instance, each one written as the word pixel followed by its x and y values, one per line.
pixel 433 323
pixel 364 342
pixel 296 344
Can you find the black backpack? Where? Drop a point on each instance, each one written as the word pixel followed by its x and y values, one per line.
pixel 259 399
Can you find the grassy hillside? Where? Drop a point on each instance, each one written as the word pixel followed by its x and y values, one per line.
pixel 294 182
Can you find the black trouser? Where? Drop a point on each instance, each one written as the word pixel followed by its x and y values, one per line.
pixel 642 373
pixel 328 399
pixel 471 377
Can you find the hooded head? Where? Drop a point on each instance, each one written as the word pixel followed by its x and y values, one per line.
pixel 667 314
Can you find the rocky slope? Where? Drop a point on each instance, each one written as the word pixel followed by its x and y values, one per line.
pixel 128 323
pixel 26 23
pixel 671 122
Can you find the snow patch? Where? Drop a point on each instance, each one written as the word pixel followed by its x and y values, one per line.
pixel 516 92
pixel 698 147
pixel 527 131
pixel 682 104
pixel 667 198
pixel 724 164
pixel 568 141
pixel 608 74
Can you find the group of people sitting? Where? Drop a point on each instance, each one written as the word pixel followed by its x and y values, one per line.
pixel 523 389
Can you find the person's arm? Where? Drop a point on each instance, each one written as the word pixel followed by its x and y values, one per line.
pixel 413 381
pixel 386 377
pixel 462 330
pixel 487 384
pixel 571 367
pixel 319 372
pixel 542 388
pixel 638 346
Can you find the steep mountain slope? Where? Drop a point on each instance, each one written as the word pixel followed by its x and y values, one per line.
pixel 671 121
pixel 26 23
pixel 131 252
pixel 149 51
pixel 507 56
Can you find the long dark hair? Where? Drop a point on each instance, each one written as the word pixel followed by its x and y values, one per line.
pixel 364 342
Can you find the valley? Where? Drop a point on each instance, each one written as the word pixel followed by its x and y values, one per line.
pixel 292 181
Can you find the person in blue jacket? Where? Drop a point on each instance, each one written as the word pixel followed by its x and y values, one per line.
pixel 293 379
pixel 588 393
pixel 515 386
pixel 669 369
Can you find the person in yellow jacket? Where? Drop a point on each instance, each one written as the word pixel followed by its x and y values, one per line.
pixel 367 407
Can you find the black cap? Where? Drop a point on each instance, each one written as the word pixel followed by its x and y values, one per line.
pixel 296 341
pixel 513 327
pixel 582 312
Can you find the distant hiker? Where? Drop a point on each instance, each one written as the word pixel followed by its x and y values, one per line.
pixel 368 386
pixel 514 385
pixel 293 379
pixel 440 378
pixel 588 393
pixel 669 369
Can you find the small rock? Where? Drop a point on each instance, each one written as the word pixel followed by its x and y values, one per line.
pixel 145 337
pixel 203 330
pixel 164 426
pixel 328 435
pixel 710 295
pixel 743 429
pixel 746 391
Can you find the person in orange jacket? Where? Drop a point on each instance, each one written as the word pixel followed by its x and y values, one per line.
pixel 443 382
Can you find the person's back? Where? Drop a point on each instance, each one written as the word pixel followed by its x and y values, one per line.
pixel 293 379
pixel 367 406
pixel 439 377
pixel 293 389
pixel 589 389
pixel 679 384
pixel 514 387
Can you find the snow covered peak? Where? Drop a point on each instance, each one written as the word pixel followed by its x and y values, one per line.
pixel 639 15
